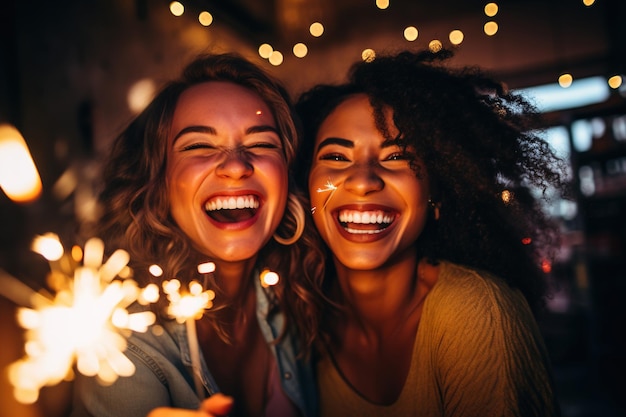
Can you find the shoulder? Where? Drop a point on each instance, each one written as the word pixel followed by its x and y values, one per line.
pixel 466 295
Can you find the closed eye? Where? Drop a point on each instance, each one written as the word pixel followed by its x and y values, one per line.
pixel 264 145
pixel 198 145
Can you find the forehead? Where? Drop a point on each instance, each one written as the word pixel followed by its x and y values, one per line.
pixel 221 99
pixel 354 117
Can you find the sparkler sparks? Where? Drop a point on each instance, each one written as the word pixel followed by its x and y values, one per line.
pixel 85 323
pixel 187 308
pixel 328 187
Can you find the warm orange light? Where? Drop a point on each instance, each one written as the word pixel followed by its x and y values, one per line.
pixel 565 80
pixel 456 37
pixel 276 58
pixel 177 8
pixel 615 81
pixel 368 55
pixel 265 50
pixel 491 9
pixel 411 33
pixel 300 50
pixel 205 18
pixel 19 178
pixel 316 29
pixel 435 45
pixel 491 28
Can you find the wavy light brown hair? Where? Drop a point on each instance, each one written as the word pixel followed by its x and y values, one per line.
pixel 136 210
pixel 475 140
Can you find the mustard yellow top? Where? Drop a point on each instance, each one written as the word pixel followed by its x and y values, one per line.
pixel 477 352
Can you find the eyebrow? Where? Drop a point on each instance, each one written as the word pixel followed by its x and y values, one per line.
pixel 350 144
pixel 335 141
pixel 209 130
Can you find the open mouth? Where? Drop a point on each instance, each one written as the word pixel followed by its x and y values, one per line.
pixel 365 222
pixel 232 209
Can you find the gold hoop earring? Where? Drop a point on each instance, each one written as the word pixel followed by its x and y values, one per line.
pixel 294 207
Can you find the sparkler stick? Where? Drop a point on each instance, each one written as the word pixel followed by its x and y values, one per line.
pixel 187 308
pixel 82 324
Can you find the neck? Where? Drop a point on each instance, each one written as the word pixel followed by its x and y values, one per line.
pixel 380 296
pixel 233 278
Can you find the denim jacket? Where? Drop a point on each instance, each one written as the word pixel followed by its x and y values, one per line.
pixel 163 375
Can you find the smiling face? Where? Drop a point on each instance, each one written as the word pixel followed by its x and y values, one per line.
pixel 226 170
pixel 379 206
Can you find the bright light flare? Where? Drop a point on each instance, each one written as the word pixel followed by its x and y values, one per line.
pixel 268 278
pixel 19 178
pixel 188 305
pixel 84 324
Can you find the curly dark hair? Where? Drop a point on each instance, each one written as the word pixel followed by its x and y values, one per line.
pixel 476 141
pixel 134 200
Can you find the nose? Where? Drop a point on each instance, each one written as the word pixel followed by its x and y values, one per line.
pixel 364 180
pixel 235 165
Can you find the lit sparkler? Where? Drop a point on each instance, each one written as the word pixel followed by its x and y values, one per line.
pixel 328 187
pixel 83 324
pixel 187 308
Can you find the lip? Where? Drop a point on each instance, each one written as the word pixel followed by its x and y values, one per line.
pixel 241 225
pixel 365 237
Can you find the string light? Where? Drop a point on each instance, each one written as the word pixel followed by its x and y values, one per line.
pixel 205 18
pixel 177 8
pixel 300 50
pixel 410 33
pixel 316 29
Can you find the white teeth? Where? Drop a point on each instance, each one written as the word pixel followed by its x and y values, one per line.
pixel 364 217
pixel 363 232
pixel 232 203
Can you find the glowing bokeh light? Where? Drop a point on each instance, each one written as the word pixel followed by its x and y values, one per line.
pixel 490 28
pixel 206 268
pixel 615 81
pixel 19 178
pixel 506 196
pixel 456 37
pixel 268 278
pixel 177 8
pixel 491 9
pixel 565 80
pixel 140 94
pixel 189 305
pixel 316 29
pixel 205 18
pixel 48 246
pixel 276 58
pixel 410 33
pixel 265 50
pixel 300 50
pixel 588 2
pixel 155 270
pixel 368 55
pixel 382 4
pixel 435 45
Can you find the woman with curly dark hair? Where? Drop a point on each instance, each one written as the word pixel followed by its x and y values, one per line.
pixel 425 183
pixel 202 174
